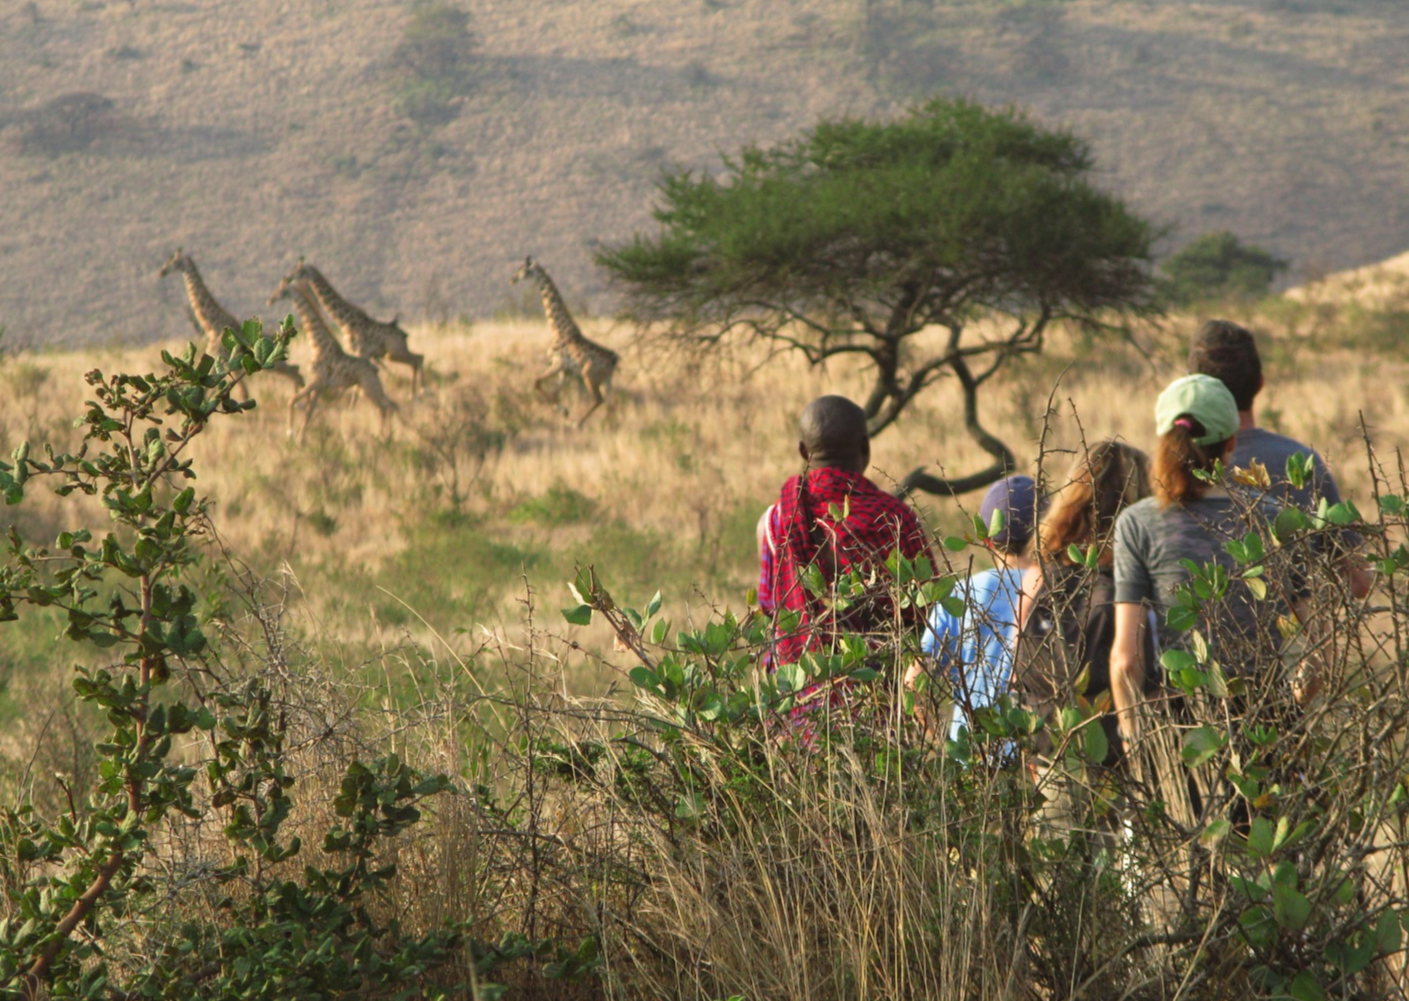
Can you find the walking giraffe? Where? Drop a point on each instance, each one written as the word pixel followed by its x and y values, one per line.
pixel 366 337
pixel 213 319
pixel 571 353
pixel 333 368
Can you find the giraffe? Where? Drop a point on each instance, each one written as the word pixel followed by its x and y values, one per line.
pixel 571 353
pixel 213 319
pixel 333 368
pixel 368 338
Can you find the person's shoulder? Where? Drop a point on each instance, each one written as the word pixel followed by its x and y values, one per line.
pixel 881 502
pixel 1260 441
pixel 1140 513
pixel 982 586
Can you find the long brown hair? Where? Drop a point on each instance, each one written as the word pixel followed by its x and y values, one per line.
pixel 1100 484
pixel 1178 456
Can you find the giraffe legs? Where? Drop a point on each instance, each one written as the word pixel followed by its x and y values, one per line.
pixel 597 382
pixel 554 400
pixel 370 384
pixel 312 406
pixel 416 362
pixel 293 403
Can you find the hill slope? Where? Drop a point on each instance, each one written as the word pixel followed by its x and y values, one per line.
pixel 255 130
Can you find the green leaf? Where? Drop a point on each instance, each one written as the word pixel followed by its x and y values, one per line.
pixel 1217 680
pixel 1177 660
pixel 644 677
pixel 1387 932
pixel 955 544
pixel 1216 831
pixel 790 678
pixel 1300 467
pixel 1290 908
pixel 1304 987
pixel 1200 744
pixel 1260 834
pixel 653 606
pixel 1257 586
pixel 1181 618
pixel 1342 514
pixel 1097 744
pixel 580 615
pixel 1288 522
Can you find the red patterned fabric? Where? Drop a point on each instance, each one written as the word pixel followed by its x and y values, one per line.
pixel 803 533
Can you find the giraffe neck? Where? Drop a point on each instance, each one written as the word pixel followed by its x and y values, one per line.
pixel 321 340
pixel 564 327
pixel 212 316
pixel 343 312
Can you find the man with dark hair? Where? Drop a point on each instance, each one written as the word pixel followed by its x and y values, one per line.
pixel 832 518
pixel 1228 352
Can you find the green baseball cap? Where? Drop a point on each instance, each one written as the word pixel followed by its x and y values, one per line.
pixel 1203 398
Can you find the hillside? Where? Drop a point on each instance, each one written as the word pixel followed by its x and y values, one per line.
pixel 251 131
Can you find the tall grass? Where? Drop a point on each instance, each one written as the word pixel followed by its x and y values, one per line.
pixel 630 851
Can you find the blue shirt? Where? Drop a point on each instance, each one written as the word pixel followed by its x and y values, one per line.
pixel 977 647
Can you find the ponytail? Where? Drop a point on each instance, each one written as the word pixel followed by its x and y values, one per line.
pixel 1178 457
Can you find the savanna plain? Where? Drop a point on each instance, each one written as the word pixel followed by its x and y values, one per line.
pixel 406 589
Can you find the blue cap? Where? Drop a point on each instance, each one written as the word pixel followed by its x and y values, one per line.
pixel 1016 497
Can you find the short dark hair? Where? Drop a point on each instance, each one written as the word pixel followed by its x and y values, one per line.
pixel 834 432
pixel 1228 352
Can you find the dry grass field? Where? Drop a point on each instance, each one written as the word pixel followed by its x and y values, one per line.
pixel 481 495
pixel 412 596
pixel 251 131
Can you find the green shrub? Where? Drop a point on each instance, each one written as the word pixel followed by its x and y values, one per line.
pixel 434 62
pixel 110 878
pixel 1218 265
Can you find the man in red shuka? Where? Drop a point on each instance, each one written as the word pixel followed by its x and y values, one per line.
pixel 835 519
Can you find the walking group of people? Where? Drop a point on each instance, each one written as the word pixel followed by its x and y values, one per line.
pixel 1079 600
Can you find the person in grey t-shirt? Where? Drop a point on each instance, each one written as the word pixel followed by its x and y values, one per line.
pixel 1228 352
pixel 1187 519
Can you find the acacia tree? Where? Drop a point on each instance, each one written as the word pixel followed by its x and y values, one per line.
pixel 855 236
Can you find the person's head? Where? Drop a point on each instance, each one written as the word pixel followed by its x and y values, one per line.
pixel 833 434
pixel 1018 499
pixel 1108 478
pixel 1228 352
pixel 1196 419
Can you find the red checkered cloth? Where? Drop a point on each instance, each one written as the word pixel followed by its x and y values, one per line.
pixel 803 532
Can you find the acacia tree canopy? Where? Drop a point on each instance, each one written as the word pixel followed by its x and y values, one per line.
pixel 857 235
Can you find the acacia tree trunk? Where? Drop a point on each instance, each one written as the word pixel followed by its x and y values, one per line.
pixel 1003 459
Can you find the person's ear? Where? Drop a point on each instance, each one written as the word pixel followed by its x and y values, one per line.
pixel 1261 382
pixel 865 457
pixel 802 451
pixel 1229 448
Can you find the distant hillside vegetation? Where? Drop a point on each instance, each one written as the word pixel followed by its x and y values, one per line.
pixel 417 151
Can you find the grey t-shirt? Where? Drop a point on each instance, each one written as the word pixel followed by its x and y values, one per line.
pixel 1150 543
pixel 1273 451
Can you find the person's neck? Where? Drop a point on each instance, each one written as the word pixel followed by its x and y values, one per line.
pixel 1246 421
